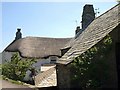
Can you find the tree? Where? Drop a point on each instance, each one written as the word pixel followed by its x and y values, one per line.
pixel 17 67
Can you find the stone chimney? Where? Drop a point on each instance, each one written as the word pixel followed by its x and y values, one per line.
pixel 88 15
pixel 18 34
pixel 77 30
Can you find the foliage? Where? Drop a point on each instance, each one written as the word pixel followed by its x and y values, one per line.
pixel 90 69
pixel 0 69
pixel 16 82
pixel 17 67
pixel 12 81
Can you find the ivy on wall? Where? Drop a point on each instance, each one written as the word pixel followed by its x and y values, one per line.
pixel 90 69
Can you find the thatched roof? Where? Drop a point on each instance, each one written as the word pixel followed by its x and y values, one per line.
pixel 38 47
pixel 95 32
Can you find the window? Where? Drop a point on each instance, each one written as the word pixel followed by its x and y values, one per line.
pixel 53 59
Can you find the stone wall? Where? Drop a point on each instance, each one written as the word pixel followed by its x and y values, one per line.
pixel 63 71
pixel 63 77
pixel 6 56
pixel 113 81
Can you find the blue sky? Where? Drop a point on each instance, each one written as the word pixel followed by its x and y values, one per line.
pixel 43 19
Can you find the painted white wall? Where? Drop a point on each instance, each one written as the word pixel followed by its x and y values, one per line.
pixel 37 66
pixel 46 67
pixel 6 56
pixel 0 58
pixel 40 62
pixel 27 76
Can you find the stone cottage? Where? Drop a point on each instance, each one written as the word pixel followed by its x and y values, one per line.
pixel 63 50
pixel 93 34
pixel 45 50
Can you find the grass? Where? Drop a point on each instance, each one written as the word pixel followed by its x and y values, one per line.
pixel 18 82
pixel 12 81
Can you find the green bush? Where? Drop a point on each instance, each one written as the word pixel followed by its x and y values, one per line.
pixel 17 67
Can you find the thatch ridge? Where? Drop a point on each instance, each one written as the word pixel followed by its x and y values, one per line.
pixel 38 47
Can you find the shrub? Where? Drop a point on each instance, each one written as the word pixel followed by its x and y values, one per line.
pixel 17 67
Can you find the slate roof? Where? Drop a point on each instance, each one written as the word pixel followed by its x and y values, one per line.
pixel 95 32
pixel 38 47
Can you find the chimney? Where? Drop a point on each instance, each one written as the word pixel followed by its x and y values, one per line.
pixel 18 34
pixel 77 30
pixel 88 15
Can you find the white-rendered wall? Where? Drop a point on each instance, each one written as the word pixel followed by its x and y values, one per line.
pixel 45 68
pixel 37 66
pixel 6 56
pixel 0 58
pixel 41 62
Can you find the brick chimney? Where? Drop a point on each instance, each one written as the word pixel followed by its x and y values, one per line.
pixel 77 30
